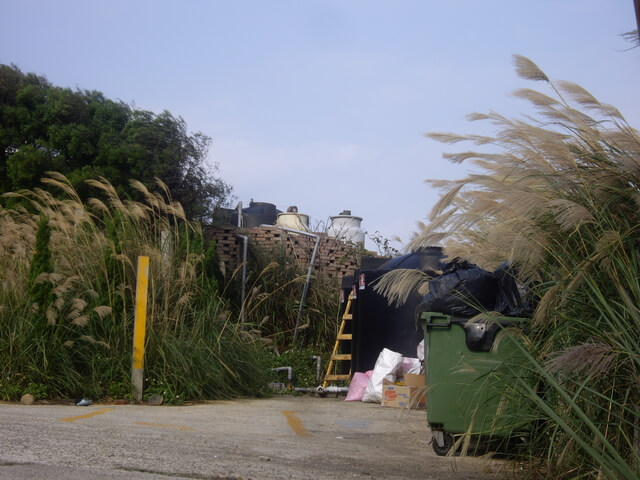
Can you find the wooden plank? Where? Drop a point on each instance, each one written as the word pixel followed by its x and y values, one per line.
pixel 341 356
pixel 333 378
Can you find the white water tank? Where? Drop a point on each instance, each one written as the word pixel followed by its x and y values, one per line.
pixel 346 227
pixel 294 220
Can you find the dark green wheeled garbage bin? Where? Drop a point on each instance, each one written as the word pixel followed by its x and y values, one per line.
pixel 472 369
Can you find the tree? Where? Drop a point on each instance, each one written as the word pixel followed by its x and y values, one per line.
pixel 83 135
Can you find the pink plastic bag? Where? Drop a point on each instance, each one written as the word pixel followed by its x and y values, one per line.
pixel 357 386
pixel 411 365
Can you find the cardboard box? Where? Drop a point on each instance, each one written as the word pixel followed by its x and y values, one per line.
pixel 417 381
pixel 413 380
pixel 402 396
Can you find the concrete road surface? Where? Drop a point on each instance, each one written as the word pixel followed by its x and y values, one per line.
pixel 283 437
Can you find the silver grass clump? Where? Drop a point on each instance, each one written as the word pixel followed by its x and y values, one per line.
pixel 558 196
pixel 79 244
pixel 559 170
pixel 397 285
pixel 589 358
pixel 529 70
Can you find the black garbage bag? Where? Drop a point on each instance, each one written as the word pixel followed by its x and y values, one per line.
pixel 463 290
pixel 513 298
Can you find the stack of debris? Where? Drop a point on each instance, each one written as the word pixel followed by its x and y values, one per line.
pixel 395 381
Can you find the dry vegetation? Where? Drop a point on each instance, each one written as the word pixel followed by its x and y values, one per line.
pixel 66 329
pixel 557 195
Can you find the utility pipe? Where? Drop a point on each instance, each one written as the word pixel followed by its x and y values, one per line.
pixel 306 283
pixel 322 390
pixel 318 360
pixel 289 372
pixel 245 241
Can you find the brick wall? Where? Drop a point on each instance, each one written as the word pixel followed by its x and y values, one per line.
pixel 335 258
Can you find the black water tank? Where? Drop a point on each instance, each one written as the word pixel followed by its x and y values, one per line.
pixel 428 258
pixel 256 214
pixel 378 325
pixel 371 263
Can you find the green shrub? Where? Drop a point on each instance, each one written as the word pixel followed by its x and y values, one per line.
pixel 38 390
pixel 304 368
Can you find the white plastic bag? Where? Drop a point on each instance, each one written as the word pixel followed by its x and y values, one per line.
pixel 420 351
pixel 388 365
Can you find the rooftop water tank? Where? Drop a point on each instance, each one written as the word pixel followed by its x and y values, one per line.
pixel 256 214
pixel 346 227
pixel 293 220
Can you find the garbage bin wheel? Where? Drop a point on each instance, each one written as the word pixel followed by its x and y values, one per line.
pixel 448 443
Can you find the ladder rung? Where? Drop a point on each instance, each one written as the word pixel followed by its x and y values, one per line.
pixel 333 378
pixel 345 336
pixel 341 356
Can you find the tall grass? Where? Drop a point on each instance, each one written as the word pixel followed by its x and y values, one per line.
pixel 275 281
pixel 274 286
pixel 78 341
pixel 557 194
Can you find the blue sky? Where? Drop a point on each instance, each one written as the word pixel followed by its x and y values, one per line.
pixel 323 104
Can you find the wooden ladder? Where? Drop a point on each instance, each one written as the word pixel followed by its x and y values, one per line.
pixel 331 376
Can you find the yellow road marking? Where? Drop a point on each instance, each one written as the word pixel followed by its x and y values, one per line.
pixel 88 415
pixel 165 425
pixel 296 424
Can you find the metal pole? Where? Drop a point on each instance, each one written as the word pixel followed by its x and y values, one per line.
pixel 239 208
pixel 245 243
pixel 309 271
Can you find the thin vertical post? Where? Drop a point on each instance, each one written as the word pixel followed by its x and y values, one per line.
pixel 245 246
pixel 139 327
pixel 309 271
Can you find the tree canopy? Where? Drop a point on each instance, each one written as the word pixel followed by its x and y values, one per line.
pixel 83 135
